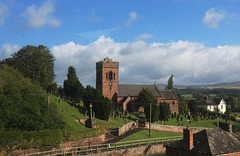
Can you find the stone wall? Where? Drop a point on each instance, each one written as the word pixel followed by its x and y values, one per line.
pixel 168 128
pixel 125 128
pixel 142 150
pixel 85 142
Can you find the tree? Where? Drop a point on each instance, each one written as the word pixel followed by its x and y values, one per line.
pixel 145 98
pixel 102 106
pixel 52 88
pixel 72 86
pixel 183 107
pixel 164 111
pixel 203 111
pixel 36 63
pixel 24 105
pixel 193 106
pixel 199 97
pixel 170 83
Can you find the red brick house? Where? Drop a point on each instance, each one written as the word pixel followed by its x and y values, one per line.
pixel 205 143
pixel 107 81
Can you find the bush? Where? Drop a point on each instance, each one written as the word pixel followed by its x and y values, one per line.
pixel 30 139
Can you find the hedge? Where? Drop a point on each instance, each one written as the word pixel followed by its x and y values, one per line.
pixel 29 139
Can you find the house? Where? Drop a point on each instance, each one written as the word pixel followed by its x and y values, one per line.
pixel 107 81
pixel 214 105
pixel 205 143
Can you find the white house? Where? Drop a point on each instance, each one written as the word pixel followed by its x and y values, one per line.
pixel 214 105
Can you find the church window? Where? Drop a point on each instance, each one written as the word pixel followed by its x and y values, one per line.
pixel 106 76
pixel 110 75
pixel 114 76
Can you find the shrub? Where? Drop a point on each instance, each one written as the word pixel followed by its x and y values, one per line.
pixel 30 139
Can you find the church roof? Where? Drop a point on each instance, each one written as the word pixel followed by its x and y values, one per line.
pixel 133 90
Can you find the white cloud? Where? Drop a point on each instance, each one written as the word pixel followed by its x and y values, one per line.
pixel 144 36
pixel 213 17
pixel 3 13
pixel 8 49
pixel 39 17
pixel 144 63
pixel 132 17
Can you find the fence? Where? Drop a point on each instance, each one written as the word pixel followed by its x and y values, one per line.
pixel 108 147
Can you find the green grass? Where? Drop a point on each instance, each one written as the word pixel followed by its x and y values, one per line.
pixel 187 96
pixel 144 134
pixel 71 114
pixel 200 123
pixel 212 95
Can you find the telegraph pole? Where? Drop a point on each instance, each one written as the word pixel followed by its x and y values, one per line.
pixel 150 120
pixel 229 106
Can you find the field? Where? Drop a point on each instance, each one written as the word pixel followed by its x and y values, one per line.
pixel 187 96
pixel 144 134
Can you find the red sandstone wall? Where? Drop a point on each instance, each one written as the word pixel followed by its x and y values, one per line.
pixel 106 68
pixel 125 128
pixel 173 107
pixel 168 128
pixel 85 142
pixel 142 150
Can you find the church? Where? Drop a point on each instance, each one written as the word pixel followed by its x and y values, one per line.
pixel 107 81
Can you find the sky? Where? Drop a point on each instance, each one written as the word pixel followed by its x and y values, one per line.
pixel 196 40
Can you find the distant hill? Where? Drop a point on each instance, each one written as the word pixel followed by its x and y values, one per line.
pixel 217 85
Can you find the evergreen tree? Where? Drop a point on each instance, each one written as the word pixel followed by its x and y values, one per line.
pixel 170 83
pixel 102 106
pixel 193 106
pixel 164 111
pixel 72 86
pixel 36 63
pixel 145 98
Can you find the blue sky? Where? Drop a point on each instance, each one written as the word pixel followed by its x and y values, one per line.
pixel 196 40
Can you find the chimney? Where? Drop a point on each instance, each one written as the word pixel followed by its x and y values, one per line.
pixel 230 128
pixel 187 139
pixel 206 98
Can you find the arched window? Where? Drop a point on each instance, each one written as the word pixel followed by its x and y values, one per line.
pixel 114 76
pixel 110 75
pixel 106 76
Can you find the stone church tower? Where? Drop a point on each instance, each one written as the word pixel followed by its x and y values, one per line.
pixel 107 77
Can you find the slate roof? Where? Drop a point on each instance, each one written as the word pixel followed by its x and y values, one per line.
pixel 208 103
pixel 213 142
pixel 168 95
pixel 133 91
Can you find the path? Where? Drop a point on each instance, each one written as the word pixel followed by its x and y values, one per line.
pixel 117 139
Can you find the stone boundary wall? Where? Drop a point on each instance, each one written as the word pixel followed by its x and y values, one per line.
pixel 85 142
pixel 167 128
pixel 142 150
pixel 125 128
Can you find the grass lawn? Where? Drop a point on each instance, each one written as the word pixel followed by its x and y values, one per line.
pixel 187 96
pixel 212 95
pixel 200 123
pixel 144 134
pixel 71 114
